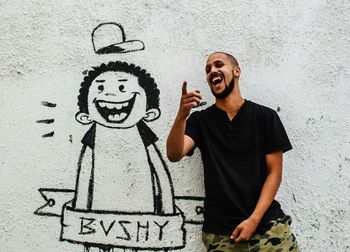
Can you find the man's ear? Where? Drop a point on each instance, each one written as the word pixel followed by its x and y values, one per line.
pixel 151 115
pixel 83 118
pixel 237 71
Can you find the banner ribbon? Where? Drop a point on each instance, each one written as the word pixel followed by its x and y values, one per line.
pixel 123 230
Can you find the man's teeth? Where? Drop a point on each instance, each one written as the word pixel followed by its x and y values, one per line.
pixel 216 79
pixel 112 105
pixel 117 117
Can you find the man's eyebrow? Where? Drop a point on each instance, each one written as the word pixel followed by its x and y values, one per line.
pixel 100 80
pixel 218 61
pixel 123 80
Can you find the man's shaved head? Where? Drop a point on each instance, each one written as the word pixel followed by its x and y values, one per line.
pixel 232 58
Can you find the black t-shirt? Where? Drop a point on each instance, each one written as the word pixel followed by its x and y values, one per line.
pixel 234 159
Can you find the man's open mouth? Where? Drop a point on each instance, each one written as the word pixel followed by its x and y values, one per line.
pixel 216 79
pixel 115 112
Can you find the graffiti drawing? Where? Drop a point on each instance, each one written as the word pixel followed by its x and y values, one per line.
pixel 117 99
pixel 110 38
pixel 47 121
pixel 124 197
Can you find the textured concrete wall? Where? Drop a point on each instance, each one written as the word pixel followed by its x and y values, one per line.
pixel 294 57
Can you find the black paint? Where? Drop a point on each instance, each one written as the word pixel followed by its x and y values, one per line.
pixel 46 121
pixel 114 33
pixel 109 227
pixel 161 226
pixel 85 226
pixel 126 232
pixel 141 227
pixel 48 104
pixel 51 134
pixel 49 202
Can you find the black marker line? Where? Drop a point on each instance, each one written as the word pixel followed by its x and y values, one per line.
pixel 119 212
pixel 95 244
pixel 189 198
pixel 48 134
pixel 47 121
pixel 48 104
pixel 194 222
pixel 42 190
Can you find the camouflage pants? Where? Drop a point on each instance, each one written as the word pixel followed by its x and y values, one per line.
pixel 277 238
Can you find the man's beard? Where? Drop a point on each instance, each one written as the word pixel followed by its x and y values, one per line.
pixel 228 89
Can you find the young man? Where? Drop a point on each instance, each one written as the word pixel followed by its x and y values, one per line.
pixel 242 145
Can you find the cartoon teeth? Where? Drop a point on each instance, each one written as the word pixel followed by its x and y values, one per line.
pixel 117 117
pixel 110 105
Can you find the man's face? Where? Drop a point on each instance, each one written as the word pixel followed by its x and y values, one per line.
pixel 116 100
pixel 220 73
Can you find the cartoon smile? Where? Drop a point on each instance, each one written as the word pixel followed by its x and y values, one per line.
pixel 115 112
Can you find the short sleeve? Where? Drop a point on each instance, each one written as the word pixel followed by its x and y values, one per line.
pixel 89 137
pixel 276 138
pixel 193 130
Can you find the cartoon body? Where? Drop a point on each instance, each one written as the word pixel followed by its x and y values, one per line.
pixel 119 161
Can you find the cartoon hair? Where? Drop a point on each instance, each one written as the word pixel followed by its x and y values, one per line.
pixel 144 78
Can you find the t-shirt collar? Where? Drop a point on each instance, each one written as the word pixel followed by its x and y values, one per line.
pixel 222 113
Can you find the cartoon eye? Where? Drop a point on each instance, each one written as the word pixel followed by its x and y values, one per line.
pixel 100 88
pixel 122 88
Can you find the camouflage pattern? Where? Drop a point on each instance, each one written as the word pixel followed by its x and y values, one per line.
pixel 276 237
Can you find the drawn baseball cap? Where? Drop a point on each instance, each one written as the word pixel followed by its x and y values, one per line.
pixel 110 38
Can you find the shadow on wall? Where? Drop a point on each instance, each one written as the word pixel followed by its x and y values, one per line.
pixel 124 196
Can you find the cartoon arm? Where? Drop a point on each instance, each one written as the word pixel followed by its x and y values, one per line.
pixel 163 183
pixel 83 187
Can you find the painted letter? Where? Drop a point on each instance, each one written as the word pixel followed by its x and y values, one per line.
pixel 126 232
pixel 83 226
pixel 109 228
pixel 161 229
pixel 139 226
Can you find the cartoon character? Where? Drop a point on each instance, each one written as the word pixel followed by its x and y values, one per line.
pixel 119 161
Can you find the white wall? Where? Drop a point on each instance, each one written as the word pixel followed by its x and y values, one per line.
pixel 293 54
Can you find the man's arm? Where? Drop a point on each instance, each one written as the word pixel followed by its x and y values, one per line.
pixel 178 144
pixel 273 180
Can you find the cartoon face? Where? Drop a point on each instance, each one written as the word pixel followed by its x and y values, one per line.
pixel 116 100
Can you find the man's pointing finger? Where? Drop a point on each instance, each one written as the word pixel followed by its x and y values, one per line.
pixel 184 88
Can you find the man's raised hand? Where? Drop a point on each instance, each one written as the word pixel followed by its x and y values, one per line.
pixel 188 101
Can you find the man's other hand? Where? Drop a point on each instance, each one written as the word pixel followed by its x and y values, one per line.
pixel 244 230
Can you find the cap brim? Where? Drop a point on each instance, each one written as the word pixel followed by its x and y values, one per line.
pixel 124 47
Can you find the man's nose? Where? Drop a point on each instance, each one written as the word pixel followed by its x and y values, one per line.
pixel 214 71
